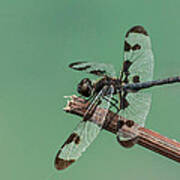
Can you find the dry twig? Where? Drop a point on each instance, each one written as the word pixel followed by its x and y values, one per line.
pixel 145 137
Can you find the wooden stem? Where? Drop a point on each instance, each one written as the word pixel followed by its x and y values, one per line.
pixel 144 137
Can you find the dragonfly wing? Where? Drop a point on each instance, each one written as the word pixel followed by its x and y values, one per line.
pixel 137 110
pixel 77 142
pixel 98 69
pixel 138 56
pixel 137 67
pixel 83 135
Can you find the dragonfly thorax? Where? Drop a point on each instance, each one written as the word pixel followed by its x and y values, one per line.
pixel 86 88
pixel 106 81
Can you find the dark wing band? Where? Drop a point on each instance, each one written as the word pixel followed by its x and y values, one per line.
pixel 98 69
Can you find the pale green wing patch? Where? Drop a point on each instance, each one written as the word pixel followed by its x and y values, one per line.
pixel 138 57
pixel 138 109
pixel 138 52
pixel 137 67
pixel 86 132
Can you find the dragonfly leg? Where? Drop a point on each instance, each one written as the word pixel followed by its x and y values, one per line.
pixel 115 100
pixel 89 99
pixel 112 103
pixel 91 108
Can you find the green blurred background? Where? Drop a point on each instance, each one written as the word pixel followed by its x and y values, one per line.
pixel 38 39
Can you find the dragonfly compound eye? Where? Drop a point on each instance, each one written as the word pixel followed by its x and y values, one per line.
pixel 85 87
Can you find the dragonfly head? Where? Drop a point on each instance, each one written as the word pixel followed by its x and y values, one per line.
pixel 85 87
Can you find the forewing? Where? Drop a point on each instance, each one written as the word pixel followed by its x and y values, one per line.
pixel 137 67
pixel 98 69
pixel 83 135
pixel 138 57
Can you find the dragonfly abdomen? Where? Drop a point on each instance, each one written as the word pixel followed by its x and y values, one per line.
pixel 148 84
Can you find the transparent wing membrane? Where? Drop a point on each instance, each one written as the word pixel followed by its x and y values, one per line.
pixel 142 67
pixel 98 69
pixel 137 67
pixel 87 132
pixel 84 134
pixel 140 104
pixel 138 52
pixel 139 107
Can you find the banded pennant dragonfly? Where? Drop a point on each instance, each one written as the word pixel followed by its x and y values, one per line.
pixel 134 104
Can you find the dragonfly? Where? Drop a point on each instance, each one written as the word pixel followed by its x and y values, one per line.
pixel 133 102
